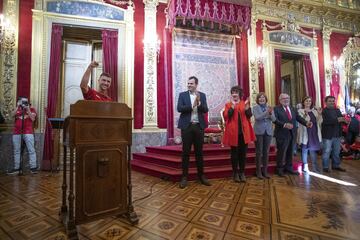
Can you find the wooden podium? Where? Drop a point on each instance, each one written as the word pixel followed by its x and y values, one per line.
pixel 97 140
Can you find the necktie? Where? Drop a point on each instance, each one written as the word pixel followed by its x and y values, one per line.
pixel 288 113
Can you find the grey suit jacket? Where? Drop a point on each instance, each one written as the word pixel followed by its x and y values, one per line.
pixel 263 121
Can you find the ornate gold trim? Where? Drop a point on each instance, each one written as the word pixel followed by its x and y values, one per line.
pixel 309 13
pixel 9 59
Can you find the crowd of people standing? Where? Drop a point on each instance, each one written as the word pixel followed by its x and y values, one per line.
pixel 316 131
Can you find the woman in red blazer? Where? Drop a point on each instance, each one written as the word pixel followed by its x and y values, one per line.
pixel 238 131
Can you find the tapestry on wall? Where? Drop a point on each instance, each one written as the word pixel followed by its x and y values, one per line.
pixel 209 57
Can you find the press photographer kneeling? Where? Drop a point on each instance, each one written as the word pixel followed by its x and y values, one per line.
pixel 24 115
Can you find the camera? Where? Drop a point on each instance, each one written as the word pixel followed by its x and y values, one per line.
pixel 23 102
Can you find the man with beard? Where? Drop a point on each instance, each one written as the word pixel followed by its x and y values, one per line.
pixel 104 83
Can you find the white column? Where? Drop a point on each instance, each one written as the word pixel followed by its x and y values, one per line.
pixel 327 58
pixel 253 66
pixel 150 66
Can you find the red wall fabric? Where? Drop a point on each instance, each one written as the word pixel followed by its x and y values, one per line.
pixel 161 84
pixel 168 83
pixel 320 45
pixel 53 87
pixel 242 63
pixel 337 42
pixel 24 50
pixel 110 60
pixel 259 40
pixel 139 65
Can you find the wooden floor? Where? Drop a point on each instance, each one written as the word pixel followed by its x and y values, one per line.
pixel 292 208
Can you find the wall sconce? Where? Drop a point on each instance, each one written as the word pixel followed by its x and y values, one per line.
pixel 260 56
pixel 152 46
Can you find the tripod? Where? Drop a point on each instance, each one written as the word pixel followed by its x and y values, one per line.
pixel 21 165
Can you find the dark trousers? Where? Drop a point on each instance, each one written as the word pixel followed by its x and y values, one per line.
pixel 262 146
pixel 238 156
pixel 284 152
pixel 192 135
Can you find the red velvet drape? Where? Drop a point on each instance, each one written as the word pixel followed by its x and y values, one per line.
pixel 277 75
pixel 110 59
pixel 169 84
pixel 24 48
pixel 242 59
pixel 139 65
pixel 53 87
pixel 309 78
pixel 259 40
pixel 161 81
pixel 337 42
pixel 321 67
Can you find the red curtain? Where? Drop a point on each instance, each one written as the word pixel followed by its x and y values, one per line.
pixel 24 48
pixel 309 78
pixel 53 87
pixel 139 65
pixel 277 75
pixel 242 60
pixel 161 82
pixel 259 40
pixel 110 56
pixel 169 85
pixel 337 42
pixel 321 67
pixel 238 14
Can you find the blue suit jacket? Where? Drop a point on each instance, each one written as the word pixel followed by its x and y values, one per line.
pixel 282 118
pixel 184 107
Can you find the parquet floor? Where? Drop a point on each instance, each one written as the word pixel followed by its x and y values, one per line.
pixel 292 208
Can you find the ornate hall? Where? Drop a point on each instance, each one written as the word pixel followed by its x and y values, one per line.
pixel 91 138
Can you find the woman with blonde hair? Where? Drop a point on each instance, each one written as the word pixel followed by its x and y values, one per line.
pixel 309 138
pixel 264 117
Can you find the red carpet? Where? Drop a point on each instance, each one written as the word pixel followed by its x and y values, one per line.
pixel 165 162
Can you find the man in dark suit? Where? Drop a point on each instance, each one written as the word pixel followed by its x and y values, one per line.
pixel 192 105
pixel 285 132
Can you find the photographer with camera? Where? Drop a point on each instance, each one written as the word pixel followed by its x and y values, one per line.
pixel 24 115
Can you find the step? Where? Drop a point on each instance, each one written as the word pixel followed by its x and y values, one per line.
pixel 208 149
pixel 211 172
pixel 175 161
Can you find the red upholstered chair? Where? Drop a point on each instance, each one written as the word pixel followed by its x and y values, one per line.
pixel 214 131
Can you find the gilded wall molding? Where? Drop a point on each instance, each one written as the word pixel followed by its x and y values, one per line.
pixel 310 14
pixel 253 65
pixel 9 59
pixel 269 66
pixel 150 65
pixel 326 31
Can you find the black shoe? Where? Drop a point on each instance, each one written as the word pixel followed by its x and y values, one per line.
pixel 13 172
pixel 183 182
pixel 34 171
pixel 280 173
pixel 326 170
pixel 259 174
pixel 292 172
pixel 204 180
pixel 236 178
pixel 339 169
pixel 242 177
